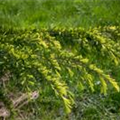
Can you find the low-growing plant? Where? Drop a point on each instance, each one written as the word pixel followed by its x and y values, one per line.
pixel 35 63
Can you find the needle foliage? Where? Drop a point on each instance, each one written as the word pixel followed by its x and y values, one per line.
pixel 38 60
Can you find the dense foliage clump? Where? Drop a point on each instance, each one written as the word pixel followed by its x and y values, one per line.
pixel 55 63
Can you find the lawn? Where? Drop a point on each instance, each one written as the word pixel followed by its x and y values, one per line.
pixel 62 13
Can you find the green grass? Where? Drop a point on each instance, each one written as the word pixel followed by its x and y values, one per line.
pixel 61 13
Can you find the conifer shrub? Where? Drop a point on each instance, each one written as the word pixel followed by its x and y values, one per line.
pixel 55 62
